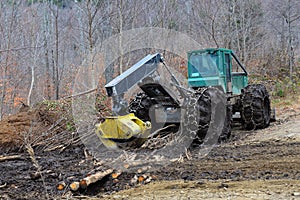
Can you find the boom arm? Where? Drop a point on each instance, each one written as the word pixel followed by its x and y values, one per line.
pixel 133 75
pixel 122 83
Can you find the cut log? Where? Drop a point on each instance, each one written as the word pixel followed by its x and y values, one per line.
pixel 13 157
pixel 85 182
pixel 81 93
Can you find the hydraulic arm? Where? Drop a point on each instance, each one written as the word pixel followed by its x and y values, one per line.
pixel 122 83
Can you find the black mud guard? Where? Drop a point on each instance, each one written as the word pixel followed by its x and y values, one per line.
pixel 158 93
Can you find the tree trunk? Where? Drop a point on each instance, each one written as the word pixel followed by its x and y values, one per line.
pixel 31 86
pixel 6 65
pixel 290 47
pixel 47 90
pixel 56 56
pixel 120 36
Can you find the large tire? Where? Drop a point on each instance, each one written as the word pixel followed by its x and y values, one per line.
pixel 140 106
pixel 256 109
pixel 205 108
pixel 226 132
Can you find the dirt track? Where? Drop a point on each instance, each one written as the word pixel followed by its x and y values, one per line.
pixel 262 164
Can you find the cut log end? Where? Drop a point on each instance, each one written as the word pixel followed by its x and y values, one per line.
pixel 116 175
pixel 74 186
pixel 83 184
pixel 60 186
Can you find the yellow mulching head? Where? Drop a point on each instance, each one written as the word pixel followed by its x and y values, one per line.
pixel 124 132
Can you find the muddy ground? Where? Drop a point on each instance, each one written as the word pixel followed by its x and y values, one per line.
pixel 263 164
pixel 260 164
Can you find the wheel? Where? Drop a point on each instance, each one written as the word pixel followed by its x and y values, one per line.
pixel 256 109
pixel 209 98
pixel 140 106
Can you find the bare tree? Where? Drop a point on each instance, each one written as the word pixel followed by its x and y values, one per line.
pixel 35 38
pixel 5 67
pixel 291 16
pixel 44 50
pixel 209 20
pixel 46 31
pixel 55 52
pixel 283 18
pixel 90 25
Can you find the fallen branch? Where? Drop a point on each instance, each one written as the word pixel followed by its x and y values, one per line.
pixel 55 148
pixel 38 174
pixel 55 124
pixel 3 186
pixel 159 130
pixel 81 93
pixel 14 157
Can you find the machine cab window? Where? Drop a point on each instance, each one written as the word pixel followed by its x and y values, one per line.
pixel 204 64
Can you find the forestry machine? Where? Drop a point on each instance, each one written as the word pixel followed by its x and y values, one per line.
pixel 211 73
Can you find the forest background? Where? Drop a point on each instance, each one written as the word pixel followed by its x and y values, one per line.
pixel 43 43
